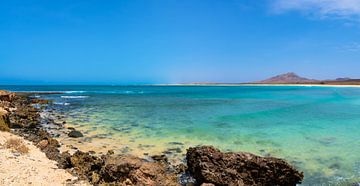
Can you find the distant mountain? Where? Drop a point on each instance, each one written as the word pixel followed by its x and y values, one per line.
pixel 342 79
pixel 288 78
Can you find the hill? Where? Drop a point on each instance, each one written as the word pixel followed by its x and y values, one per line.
pixel 288 78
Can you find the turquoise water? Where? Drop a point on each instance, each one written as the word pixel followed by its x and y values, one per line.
pixel 317 129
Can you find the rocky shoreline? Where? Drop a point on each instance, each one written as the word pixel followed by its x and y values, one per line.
pixel 205 165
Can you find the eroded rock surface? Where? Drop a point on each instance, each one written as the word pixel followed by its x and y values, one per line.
pixel 119 170
pixel 4 120
pixel 6 95
pixel 209 165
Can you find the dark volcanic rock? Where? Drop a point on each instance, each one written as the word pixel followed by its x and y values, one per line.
pixel 84 164
pixel 75 134
pixel 209 165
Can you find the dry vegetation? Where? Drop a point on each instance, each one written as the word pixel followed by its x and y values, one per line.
pixel 16 145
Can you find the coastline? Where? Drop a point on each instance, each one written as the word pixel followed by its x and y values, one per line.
pixel 259 84
pixel 25 121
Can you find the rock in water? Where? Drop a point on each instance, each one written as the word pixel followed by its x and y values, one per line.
pixel 75 134
pixel 208 165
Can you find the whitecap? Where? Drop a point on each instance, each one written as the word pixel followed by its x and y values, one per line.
pixel 74 91
pixel 74 97
pixel 61 103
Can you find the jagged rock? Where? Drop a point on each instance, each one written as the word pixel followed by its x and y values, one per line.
pixel 75 134
pixel 209 165
pixel 6 96
pixel 4 120
pixel 64 161
pixel 85 164
pixel 122 169
pixel 5 104
pixel 24 116
pixel 40 101
pixel 43 144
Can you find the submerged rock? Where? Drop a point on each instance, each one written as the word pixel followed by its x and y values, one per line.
pixel 75 134
pixel 209 165
pixel 40 101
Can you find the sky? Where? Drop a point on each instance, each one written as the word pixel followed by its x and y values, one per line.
pixel 176 41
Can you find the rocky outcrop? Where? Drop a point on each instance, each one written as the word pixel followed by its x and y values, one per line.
pixel 118 170
pixel 209 165
pixel 136 171
pixel 4 120
pixel 6 96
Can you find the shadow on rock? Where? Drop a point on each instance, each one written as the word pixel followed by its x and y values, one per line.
pixel 209 165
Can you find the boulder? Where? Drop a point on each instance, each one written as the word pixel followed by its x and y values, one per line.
pixel 75 134
pixel 4 120
pixel 43 144
pixel 117 170
pixel 208 165
pixel 6 96
pixel 85 164
pixel 135 171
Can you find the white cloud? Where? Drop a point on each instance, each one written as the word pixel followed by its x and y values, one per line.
pixel 352 47
pixel 344 9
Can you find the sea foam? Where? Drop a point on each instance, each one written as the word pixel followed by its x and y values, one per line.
pixel 74 97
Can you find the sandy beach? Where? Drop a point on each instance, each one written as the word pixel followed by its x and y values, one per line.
pixel 32 168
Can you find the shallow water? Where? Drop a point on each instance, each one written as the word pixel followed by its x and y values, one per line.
pixel 315 128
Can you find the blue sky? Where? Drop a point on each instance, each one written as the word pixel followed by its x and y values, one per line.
pixel 171 41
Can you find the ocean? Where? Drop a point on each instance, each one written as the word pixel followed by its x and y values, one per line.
pixel 316 129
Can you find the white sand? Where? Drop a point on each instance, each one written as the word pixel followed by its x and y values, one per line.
pixel 33 168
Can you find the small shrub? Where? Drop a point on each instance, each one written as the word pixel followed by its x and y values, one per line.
pixel 16 145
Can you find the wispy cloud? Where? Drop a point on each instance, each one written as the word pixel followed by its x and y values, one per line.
pixel 352 47
pixel 343 9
